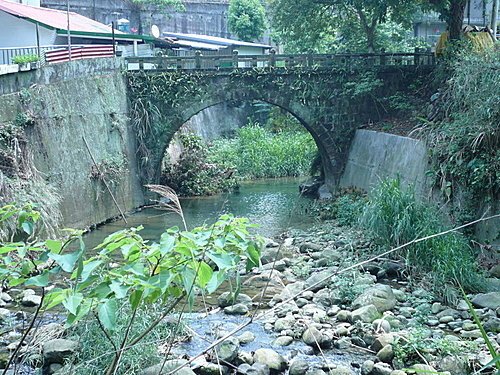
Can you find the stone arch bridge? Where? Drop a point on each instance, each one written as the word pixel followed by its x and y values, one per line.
pixel 331 95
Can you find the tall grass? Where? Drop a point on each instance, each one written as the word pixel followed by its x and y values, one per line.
pixel 257 152
pixel 395 216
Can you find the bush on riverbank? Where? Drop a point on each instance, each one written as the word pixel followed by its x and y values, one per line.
pixel 193 176
pixel 395 216
pixel 257 152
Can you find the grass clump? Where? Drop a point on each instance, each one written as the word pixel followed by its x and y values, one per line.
pixel 346 208
pixel 395 216
pixel 257 152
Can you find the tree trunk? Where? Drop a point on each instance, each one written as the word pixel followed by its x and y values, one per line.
pixel 456 20
pixel 494 16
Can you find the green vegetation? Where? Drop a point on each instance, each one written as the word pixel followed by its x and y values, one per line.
pixel 257 152
pixel 24 59
pixel 346 208
pixel 192 175
pixel 394 216
pixel 125 274
pixel 247 19
pixel 464 143
pixel 335 25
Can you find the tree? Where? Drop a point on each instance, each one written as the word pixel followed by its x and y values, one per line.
pixel 314 22
pixel 450 11
pixel 138 6
pixel 247 19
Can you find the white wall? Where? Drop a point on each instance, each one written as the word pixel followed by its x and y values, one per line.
pixel 16 32
pixel 35 3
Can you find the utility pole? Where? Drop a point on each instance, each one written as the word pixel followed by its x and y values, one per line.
pixel 494 16
pixel 69 32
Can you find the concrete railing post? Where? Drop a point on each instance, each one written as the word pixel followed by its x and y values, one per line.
pixel 416 60
pixel 235 58
pixel 197 60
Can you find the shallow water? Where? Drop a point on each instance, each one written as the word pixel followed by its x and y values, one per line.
pixel 274 204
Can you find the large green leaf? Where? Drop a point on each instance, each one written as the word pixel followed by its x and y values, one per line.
pixel 40 280
pixel 107 314
pixel 72 302
pixel 67 261
pixel 119 289
pixel 88 268
pixel 205 273
pixel 167 243
pixel 54 246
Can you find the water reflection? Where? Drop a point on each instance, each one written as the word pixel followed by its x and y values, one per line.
pixel 273 204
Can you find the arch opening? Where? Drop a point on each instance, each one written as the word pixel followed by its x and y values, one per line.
pixel 241 139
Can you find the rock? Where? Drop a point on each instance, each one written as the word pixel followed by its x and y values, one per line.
pixel 381 369
pixel 284 323
pixel 244 357
pixel 436 307
pixel 386 354
pixel 492 325
pixel 5 297
pixel 487 300
pixel 324 193
pixel 421 368
pixel 381 325
pixel 341 331
pixel 343 316
pixel 455 364
pixel 299 366
pixel 382 341
pixel 313 337
pixel 332 311
pixel 474 334
pixel 331 255
pixel 238 309
pixel 246 337
pixel 462 305
pixel 448 312
pixel 367 367
pixel 255 369
pixel 398 372
pixel 319 280
pixel 268 255
pixel 446 319
pixel 58 350
pixel 270 358
pixel 400 295
pixel 227 299
pixel 292 290
pixel 380 295
pixel 168 367
pixel 54 368
pixel 209 368
pixel 366 314
pixel 283 341
pixel 4 314
pixel 228 349
pixel 494 271
pixel 307 247
pixel 31 299
pixel 343 343
pixel 323 297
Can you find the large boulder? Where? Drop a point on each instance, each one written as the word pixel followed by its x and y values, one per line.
pixel 319 280
pixel 313 337
pixel 487 300
pixel 58 350
pixel 366 314
pixel 228 349
pixel 379 295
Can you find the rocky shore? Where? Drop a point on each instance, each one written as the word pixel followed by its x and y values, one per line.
pixel 317 319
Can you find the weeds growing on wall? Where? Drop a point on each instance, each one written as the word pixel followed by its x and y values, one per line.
pixel 395 216
pixel 465 138
pixel 257 152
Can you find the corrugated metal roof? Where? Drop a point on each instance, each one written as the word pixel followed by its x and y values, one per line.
pixel 56 19
pixel 213 40
pixel 198 45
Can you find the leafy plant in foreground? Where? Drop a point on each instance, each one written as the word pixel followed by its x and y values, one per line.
pixel 127 270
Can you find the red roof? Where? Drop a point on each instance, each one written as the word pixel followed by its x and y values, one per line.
pixel 55 18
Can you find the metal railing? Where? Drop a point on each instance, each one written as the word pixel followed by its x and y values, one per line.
pixel 221 62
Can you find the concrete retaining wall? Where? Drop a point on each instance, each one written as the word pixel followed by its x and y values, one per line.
pixel 374 156
pixel 71 104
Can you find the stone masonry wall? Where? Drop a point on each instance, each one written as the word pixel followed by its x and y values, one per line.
pixel 64 110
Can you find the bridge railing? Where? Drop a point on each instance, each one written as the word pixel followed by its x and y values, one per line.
pixel 221 62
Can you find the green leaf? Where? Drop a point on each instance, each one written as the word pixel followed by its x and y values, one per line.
pixel 68 261
pixel 136 298
pixel 27 227
pixel 54 298
pixel 72 302
pixel 253 256
pixel 205 273
pixel 223 261
pixel 107 314
pixel 40 280
pixel 167 243
pixel 88 268
pixel 119 289
pixel 54 246
pixel 218 277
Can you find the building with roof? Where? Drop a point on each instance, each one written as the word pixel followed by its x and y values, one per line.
pixel 212 43
pixel 26 27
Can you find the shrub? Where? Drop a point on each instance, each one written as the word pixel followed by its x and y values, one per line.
pixel 193 176
pixel 346 208
pixel 24 59
pixel 259 153
pixel 395 216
